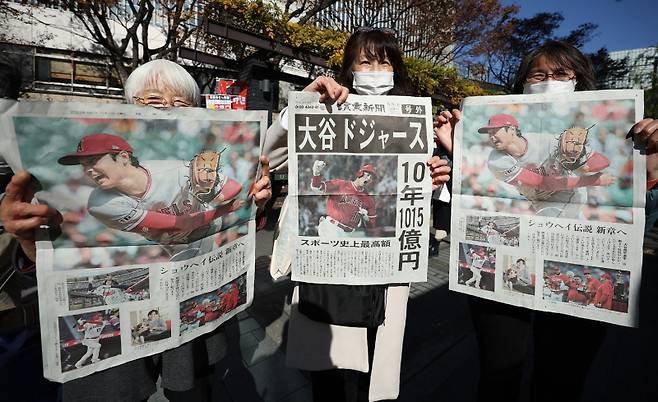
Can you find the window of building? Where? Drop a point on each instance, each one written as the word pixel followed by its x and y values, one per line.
pixel 75 72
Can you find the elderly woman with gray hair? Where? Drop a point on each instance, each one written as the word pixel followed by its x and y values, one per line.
pixel 161 83
pixel 185 371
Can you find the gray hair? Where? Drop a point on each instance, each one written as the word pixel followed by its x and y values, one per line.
pixel 162 74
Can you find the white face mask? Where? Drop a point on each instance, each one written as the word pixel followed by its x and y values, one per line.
pixel 549 87
pixel 372 82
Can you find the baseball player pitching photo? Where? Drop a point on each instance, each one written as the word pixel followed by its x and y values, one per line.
pixel 142 181
pixel 561 160
pixel 166 201
pixel 347 196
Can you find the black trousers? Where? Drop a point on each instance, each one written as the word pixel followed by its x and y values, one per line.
pixel 342 385
pixel 564 348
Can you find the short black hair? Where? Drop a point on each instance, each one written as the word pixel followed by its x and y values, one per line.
pixel 10 81
pixel 377 45
pixel 133 159
pixel 518 130
pixel 562 54
pixel 152 311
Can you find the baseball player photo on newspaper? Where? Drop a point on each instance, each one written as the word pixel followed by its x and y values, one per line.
pixel 156 213
pixel 360 188
pixel 551 187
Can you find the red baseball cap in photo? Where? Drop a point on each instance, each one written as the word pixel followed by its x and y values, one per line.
pixel 96 144
pixel 498 121
pixel 366 168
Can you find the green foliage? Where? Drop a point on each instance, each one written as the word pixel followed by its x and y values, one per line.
pixel 269 20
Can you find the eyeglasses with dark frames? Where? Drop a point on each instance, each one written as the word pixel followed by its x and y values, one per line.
pixel 158 101
pixel 559 75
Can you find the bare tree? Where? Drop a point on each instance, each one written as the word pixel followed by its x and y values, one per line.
pixel 149 29
pixel 441 31
pixel 526 34
pixel 305 11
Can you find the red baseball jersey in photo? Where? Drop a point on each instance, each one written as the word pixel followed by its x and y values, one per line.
pixel 344 202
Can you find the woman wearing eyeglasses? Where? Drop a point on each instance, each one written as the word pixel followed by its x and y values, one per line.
pixel 161 83
pixel 185 372
pixel 355 354
pixel 502 330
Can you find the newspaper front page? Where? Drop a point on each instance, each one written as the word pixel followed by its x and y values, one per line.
pixel 360 188
pixel 548 203
pixel 147 258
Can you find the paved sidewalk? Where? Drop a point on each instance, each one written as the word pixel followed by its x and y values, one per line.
pixel 255 369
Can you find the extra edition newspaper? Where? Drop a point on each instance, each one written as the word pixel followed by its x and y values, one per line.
pixel 147 258
pixel 359 188
pixel 548 203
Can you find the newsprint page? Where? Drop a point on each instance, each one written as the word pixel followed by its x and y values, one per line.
pixel 548 203
pixel 157 241
pixel 360 188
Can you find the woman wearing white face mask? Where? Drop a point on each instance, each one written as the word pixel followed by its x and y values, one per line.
pixel 555 67
pixel 372 65
pixel 503 331
pixel 350 337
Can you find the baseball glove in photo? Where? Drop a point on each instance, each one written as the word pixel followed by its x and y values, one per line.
pixel 571 152
pixel 206 179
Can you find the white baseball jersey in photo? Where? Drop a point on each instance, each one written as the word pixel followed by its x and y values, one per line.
pixel 93 331
pixel 493 236
pixel 541 158
pixel 111 295
pixel 168 193
pixel 477 261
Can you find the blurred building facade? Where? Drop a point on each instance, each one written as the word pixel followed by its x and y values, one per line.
pixel 350 15
pixel 642 68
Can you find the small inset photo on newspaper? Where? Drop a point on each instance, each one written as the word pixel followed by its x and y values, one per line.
pixel 208 307
pixel 477 266
pixel 150 325
pixel 519 274
pixel 496 230
pixel 347 195
pixel 106 289
pixel 588 286
pixel 88 338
